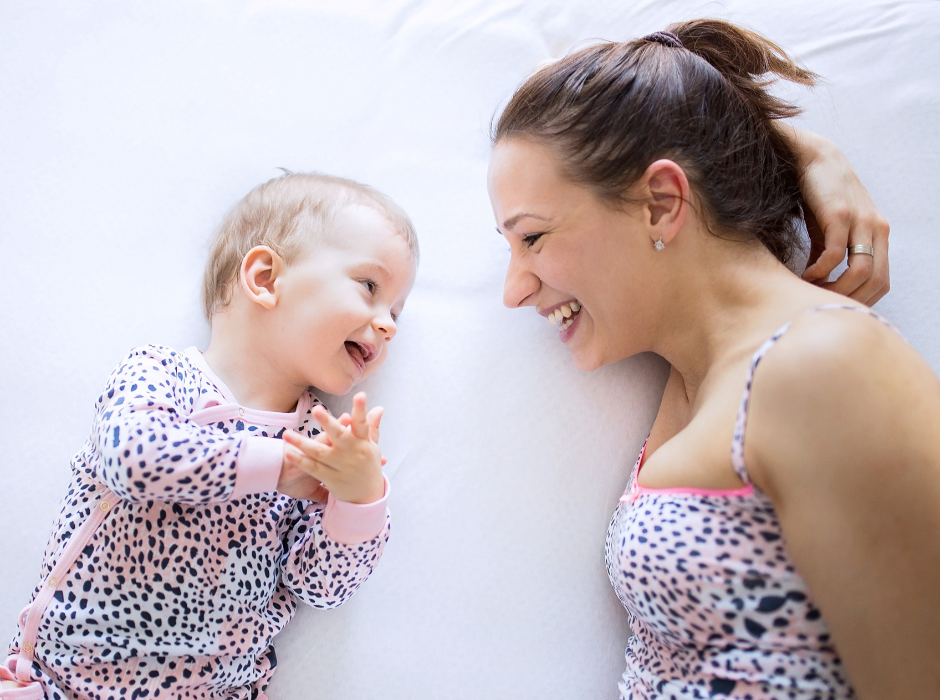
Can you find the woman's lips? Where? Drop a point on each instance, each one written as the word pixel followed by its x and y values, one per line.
pixel 564 316
pixel 568 331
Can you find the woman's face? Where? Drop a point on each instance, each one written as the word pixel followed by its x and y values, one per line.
pixel 578 261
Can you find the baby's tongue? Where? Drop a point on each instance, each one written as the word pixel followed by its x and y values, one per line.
pixel 354 350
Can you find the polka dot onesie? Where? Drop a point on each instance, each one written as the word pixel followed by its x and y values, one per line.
pixel 201 562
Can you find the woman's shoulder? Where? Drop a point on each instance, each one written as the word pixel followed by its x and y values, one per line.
pixel 839 384
pixel 837 354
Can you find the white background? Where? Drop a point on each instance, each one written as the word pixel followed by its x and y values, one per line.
pixel 128 128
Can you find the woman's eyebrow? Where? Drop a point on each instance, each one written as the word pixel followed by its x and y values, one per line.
pixel 513 220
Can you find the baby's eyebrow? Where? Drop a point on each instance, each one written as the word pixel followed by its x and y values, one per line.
pixel 374 266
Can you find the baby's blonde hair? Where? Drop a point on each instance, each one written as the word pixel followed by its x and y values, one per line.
pixel 285 214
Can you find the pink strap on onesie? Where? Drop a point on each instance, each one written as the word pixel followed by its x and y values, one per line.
pixel 19 666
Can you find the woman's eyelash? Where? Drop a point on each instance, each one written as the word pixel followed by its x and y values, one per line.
pixel 530 240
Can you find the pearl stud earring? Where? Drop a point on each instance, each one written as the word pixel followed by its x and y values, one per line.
pixel 659 245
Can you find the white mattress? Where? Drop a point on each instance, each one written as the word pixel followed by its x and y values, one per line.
pixel 128 128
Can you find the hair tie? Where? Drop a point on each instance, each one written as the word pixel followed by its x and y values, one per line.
pixel 664 38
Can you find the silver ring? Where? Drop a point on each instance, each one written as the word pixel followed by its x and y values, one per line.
pixel 863 249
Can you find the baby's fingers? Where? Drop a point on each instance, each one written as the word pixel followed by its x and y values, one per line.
pixel 304 460
pixel 334 430
pixel 373 418
pixel 358 425
pixel 311 448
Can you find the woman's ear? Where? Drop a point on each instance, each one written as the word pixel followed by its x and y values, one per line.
pixel 260 269
pixel 667 198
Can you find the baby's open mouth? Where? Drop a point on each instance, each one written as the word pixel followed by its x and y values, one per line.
pixel 564 315
pixel 361 353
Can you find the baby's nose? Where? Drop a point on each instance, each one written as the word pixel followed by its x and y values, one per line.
pixel 386 326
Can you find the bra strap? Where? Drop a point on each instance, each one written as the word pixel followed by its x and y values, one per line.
pixel 740 425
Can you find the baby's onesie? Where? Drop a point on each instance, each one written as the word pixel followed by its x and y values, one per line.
pixel 201 563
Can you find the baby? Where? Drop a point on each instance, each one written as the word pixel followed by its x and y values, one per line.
pixel 207 500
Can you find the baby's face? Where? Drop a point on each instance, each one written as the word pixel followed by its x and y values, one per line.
pixel 338 304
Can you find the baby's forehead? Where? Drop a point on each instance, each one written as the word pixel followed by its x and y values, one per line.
pixel 361 227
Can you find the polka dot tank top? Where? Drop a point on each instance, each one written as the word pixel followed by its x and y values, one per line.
pixel 716 606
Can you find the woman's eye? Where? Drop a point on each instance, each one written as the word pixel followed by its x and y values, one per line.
pixel 530 240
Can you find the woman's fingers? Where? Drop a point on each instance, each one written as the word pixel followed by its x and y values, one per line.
pixel 867 278
pixel 878 283
pixel 858 273
pixel 846 216
pixel 835 238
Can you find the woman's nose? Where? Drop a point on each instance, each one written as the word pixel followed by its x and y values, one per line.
pixel 520 285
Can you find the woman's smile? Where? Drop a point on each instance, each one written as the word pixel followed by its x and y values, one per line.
pixel 564 317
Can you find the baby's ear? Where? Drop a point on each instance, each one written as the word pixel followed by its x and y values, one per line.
pixel 260 269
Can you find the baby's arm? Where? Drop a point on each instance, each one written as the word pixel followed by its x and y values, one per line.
pixel 149 451
pixel 333 549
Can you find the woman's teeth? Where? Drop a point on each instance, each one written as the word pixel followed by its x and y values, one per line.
pixel 564 315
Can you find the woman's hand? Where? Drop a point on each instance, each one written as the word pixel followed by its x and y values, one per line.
pixel 842 214
pixel 345 457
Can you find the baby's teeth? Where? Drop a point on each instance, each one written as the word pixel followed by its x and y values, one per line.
pixel 565 311
pixel 575 306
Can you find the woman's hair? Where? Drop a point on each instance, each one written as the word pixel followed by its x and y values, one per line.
pixel 287 214
pixel 610 110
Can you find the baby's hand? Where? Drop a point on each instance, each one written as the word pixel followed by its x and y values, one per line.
pixel 345 457
pixel 297 483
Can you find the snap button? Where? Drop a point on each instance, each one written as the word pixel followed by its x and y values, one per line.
pixel 241 412
pixel 28 648
pixel 52 582
pixel 105 506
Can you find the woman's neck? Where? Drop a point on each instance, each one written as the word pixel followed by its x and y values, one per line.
pixel 723 305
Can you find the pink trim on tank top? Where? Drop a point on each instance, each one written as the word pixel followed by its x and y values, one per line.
pixel 636 490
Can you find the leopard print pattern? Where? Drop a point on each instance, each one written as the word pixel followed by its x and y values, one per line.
pixel 716 606
pixel 183 588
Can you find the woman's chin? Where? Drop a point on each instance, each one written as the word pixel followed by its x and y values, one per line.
pixel 585 360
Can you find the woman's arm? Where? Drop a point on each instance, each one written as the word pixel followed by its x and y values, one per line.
pixel 841 214
pixel 843 435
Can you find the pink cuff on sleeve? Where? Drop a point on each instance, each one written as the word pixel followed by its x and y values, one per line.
pixel 258 466
pixel 354 523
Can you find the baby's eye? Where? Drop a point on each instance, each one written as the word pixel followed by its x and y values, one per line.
pixel 370 285
pixel 530 240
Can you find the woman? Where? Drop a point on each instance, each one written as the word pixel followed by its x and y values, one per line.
pixel 777 539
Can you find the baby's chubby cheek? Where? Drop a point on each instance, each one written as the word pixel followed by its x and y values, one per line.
pixel 374 364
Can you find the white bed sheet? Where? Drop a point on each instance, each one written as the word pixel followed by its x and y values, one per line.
pixel 128 128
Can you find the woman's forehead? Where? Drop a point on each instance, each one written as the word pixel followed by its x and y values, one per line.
pixel 525 186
